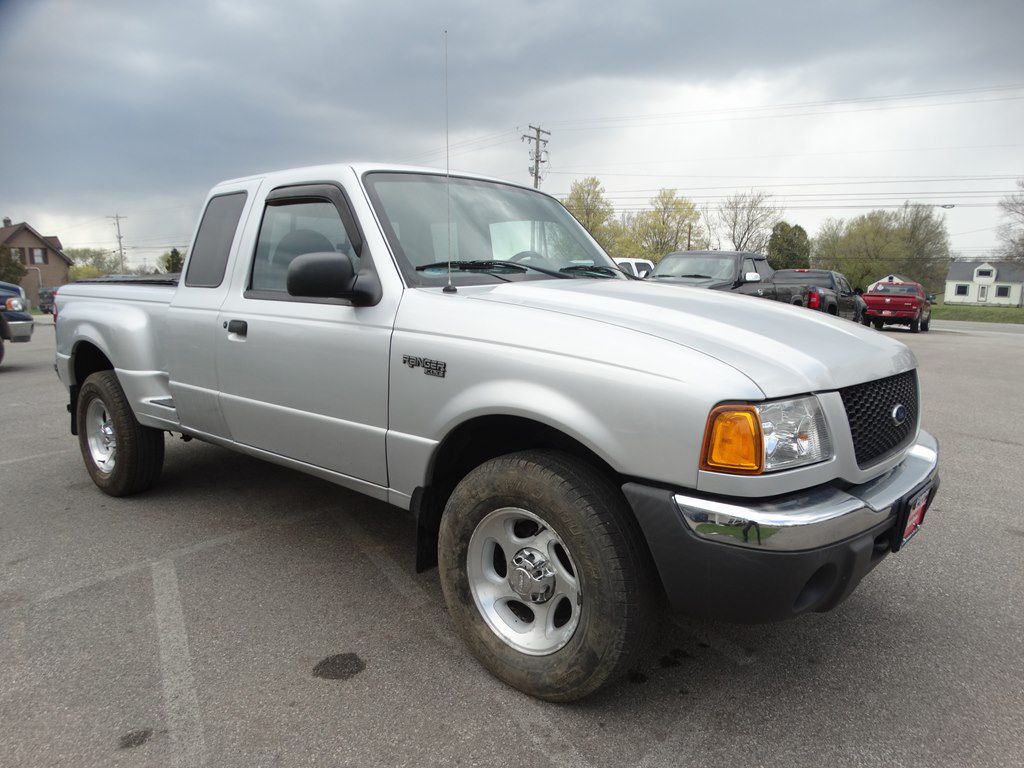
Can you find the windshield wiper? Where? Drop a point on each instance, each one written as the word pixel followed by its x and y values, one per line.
pixel 485 265
pixel 596 269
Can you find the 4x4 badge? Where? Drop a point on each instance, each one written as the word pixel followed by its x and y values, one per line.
pixel 430 367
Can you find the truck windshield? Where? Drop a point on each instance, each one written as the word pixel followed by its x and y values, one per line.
pixel 499 232
pixel 696 267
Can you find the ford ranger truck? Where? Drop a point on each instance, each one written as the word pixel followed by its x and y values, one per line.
pixel 578 448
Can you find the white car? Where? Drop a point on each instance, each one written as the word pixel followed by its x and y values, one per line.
pixel 635 267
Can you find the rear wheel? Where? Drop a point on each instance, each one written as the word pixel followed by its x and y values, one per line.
pixel 122 456
pixel 1 350
pixel 546 574
pixel 915 325
pixel 926 323
pixel 878 324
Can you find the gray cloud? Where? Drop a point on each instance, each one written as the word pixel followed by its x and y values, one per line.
pixel 122 105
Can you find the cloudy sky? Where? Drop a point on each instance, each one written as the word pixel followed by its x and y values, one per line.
pixel 834 107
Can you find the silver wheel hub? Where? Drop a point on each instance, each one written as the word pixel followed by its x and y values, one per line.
pixel 101 437
pixel 532 578
pixel 523 581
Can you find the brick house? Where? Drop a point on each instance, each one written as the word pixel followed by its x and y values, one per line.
pixel 43 257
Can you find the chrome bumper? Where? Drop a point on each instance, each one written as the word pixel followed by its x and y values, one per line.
pixel 20 330
pixel 816 517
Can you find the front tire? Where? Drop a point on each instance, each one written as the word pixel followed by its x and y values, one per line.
pixel 925 324
pixel 546 574
pixel 122 456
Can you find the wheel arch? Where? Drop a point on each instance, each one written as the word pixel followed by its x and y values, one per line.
pixel 87 358
pixel 468 445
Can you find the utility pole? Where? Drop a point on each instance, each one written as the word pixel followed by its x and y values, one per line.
pixel 120 246
pixel 538 153
pixel 689 234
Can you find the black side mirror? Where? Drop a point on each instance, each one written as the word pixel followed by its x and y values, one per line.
pixel 859 291
pixel 330 275
pixel 931 298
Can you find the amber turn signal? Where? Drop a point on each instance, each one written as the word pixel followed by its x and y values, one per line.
pixel 733 441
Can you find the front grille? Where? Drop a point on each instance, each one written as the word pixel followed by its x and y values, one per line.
pixel 869 408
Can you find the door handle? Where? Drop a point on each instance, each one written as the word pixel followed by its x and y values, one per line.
pixel 237 327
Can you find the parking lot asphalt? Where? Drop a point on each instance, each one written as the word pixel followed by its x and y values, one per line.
pixel 242 614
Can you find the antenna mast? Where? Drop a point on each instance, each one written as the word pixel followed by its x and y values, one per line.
pixel 447 168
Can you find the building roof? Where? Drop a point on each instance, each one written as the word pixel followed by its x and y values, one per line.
pixel 51 240
pixel 1006 271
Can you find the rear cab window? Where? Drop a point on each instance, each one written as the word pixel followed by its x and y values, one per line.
pixel 209 257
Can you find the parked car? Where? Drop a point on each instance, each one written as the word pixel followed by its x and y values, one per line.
pixel 892 303
pixel 820 289
pixel 16 323
pixel 46 300
pixel 735 271
pixel 635 267
pixel 763 463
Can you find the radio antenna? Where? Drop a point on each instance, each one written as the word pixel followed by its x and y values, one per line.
pixel 447 166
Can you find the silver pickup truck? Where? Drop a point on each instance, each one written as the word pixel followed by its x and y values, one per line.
pixel 579 448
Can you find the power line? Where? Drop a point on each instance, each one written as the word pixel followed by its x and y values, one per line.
pixel 538 154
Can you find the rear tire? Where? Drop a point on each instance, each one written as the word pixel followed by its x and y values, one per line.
pixel 878 324
pixel 122 456
pixel 552 500
pixel 1 350
pixel 925 324
pixel 915 325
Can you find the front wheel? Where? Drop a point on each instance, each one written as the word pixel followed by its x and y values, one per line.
pixel 546 574
pixel 122 456
pixel 926 323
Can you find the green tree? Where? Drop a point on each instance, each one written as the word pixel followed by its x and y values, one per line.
pixel 92 262
pixel 586 201
pixel 172 261
pixel 671 224
pixel 911 241
pixel 789 247
pixel 1011 231
pixel 11 270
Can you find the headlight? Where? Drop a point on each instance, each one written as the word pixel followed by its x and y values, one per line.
pixel 751 439
pixel 16 305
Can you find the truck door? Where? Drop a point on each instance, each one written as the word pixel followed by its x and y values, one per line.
pixel 754 288
pixel 846 298
pixel 191 325
pixel 305 378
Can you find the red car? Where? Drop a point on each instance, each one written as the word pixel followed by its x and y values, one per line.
pixel 892 303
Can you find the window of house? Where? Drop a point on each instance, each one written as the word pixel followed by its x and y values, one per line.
pixel 1002 291
pixel 18 255
pixel 962 288
pixel 984 273
pixel 38 255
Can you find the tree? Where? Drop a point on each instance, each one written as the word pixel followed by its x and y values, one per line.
pixel 911 241
pixel 747 219
pixel 11 270
pixel 92 262
pixel 789 247
pixel 172 261
pixel 1011 232
pixel 671 224
pixel 586 201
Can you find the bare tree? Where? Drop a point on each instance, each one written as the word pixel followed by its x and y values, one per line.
pixel 746 220
pixel 1011 232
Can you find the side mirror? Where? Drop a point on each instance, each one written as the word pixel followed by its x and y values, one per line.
pixel 751 277
pixel 859 291
pixel 330 275
pixel 931 298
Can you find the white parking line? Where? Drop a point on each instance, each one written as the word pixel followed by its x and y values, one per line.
pixel 533 717
pixel 33 457
pixel 181 704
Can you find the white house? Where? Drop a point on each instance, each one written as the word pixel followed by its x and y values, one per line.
pixel 995 283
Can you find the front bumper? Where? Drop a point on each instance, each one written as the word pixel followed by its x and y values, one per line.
pixel 753 560
pixel 18 330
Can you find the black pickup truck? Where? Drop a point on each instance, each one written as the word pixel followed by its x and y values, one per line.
pixel 819 289
pixel 749 273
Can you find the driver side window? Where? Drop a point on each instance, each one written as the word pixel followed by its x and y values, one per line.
pixel 289 230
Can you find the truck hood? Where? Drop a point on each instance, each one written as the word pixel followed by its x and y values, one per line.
pixel 784 350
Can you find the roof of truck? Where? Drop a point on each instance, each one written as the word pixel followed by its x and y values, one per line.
pixel 359 168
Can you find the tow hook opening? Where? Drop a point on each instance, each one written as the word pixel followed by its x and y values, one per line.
pixel 817 588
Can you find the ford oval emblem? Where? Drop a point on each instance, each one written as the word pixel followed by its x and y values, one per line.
pixel 899 414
